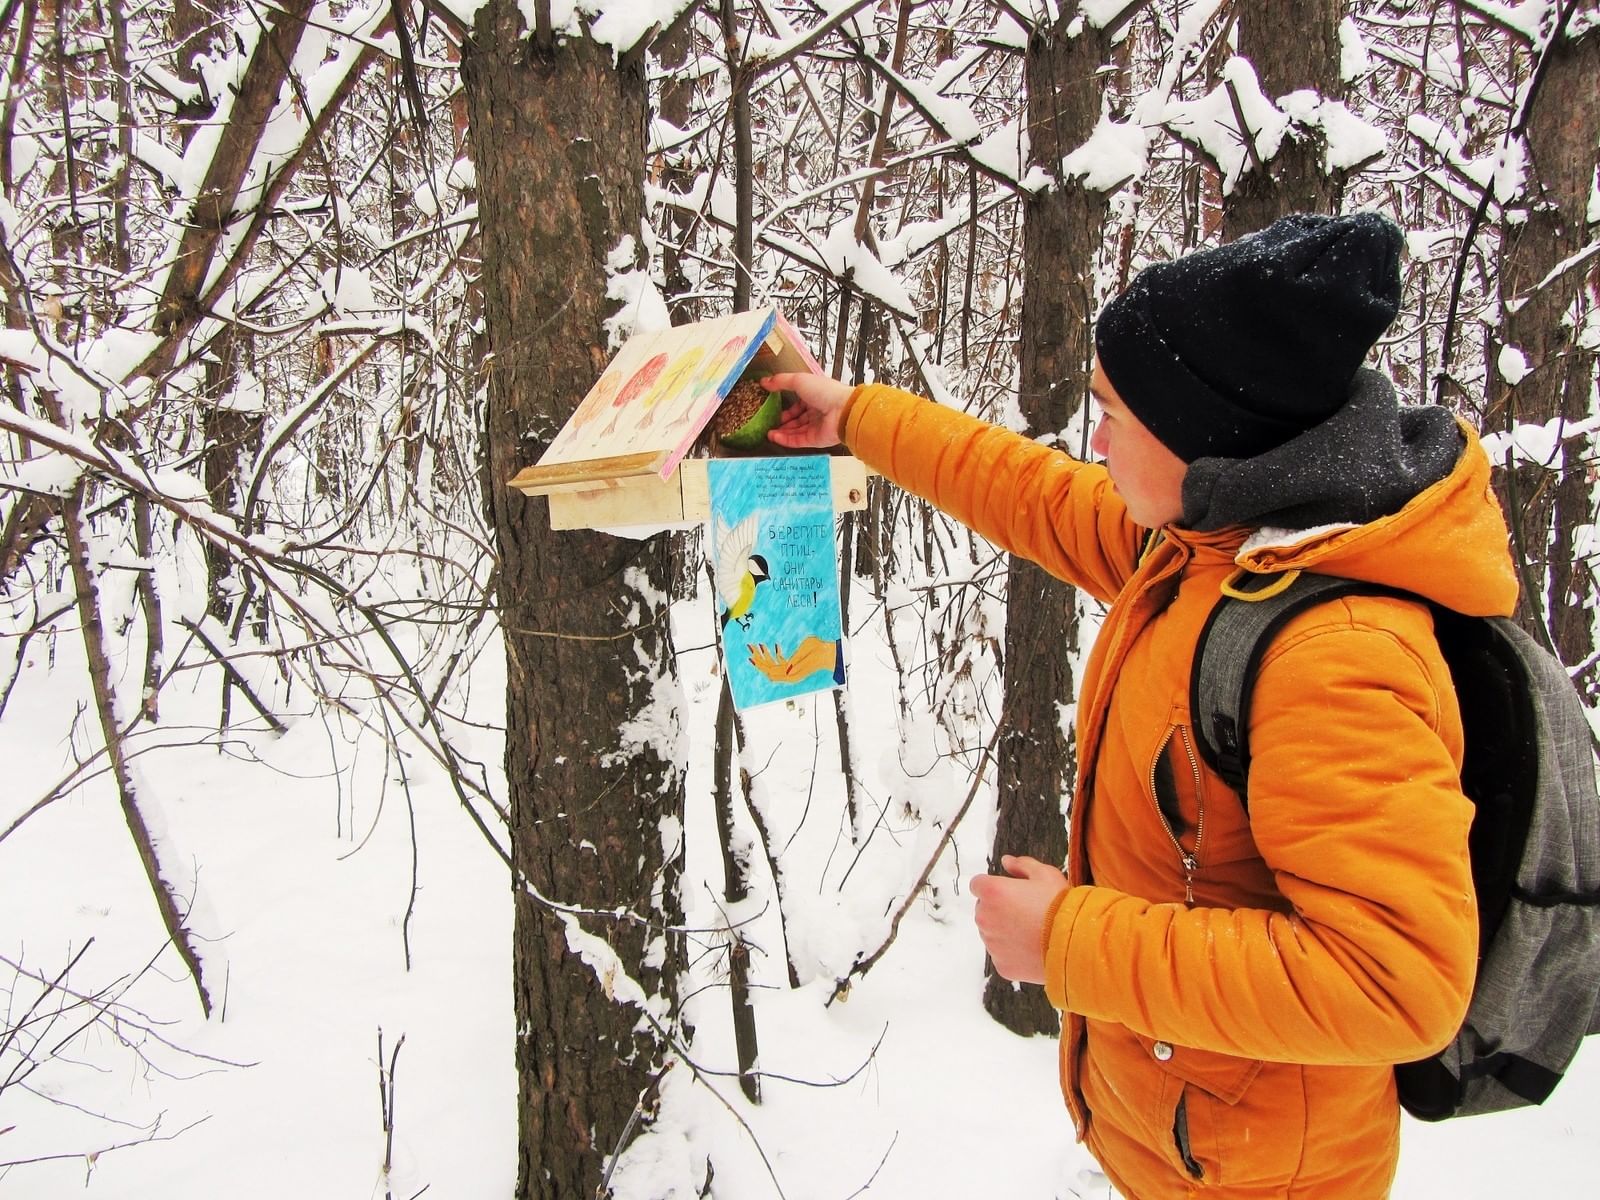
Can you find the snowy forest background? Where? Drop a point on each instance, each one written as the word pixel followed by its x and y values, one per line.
pixel 360 836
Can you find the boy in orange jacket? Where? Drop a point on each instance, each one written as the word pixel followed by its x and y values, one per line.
pixel 1236 989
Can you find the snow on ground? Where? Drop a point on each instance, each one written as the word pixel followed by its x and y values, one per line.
pixel 302 843
pixel 306 873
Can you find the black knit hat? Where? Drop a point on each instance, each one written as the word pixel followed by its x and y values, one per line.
pixel 1231 351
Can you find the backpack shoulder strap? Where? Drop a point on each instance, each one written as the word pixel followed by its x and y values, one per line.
pixel 1242 624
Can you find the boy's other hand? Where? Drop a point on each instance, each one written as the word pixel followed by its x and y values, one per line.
pixel 813 423
pixel 1010 915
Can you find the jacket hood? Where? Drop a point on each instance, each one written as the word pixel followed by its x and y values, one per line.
pixel 1364 462
pixel 1389 494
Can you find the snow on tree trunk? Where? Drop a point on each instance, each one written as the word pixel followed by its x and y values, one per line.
pixel 591 718
pixel 1297 177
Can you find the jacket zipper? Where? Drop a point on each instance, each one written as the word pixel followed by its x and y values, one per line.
pixel 1191 862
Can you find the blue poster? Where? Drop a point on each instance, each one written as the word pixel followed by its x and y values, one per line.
pixel 776 567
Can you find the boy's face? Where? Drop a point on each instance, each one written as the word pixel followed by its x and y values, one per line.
pixel 1147 475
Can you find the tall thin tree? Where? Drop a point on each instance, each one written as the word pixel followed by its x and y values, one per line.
pixel 1540 372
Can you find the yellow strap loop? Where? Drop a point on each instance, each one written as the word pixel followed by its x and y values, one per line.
pixel 1231 589
pixel 1151 541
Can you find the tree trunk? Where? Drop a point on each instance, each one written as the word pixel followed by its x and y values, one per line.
pixel 1062 233
pixel 677 94
pixel 1550 505
pixel 557 138
pixel 735 890
pixel 231 438
pixel 1295 179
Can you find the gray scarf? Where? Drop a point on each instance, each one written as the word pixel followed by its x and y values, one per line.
pixel 1366 461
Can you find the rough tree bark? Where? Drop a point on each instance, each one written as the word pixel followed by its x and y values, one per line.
pixel 557 135
pixel 1295 179
pixel 673 48
pixel 1062 232
pixel 1543 307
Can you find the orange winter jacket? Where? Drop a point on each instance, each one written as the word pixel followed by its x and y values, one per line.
pixel 1237 989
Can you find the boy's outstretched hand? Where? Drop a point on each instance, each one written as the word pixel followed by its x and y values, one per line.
pixel 1010 915
pixel 814 422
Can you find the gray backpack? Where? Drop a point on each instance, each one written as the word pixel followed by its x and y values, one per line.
pixel 1535 843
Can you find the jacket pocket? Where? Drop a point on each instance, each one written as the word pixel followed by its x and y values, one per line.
pixel 1234 1121
pixel 1180 1138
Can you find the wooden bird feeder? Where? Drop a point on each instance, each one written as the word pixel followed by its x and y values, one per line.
pixel 634 452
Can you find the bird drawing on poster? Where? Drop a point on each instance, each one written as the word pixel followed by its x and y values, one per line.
pixel 739 570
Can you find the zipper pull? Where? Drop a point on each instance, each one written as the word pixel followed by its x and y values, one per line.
pixel 1189 865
